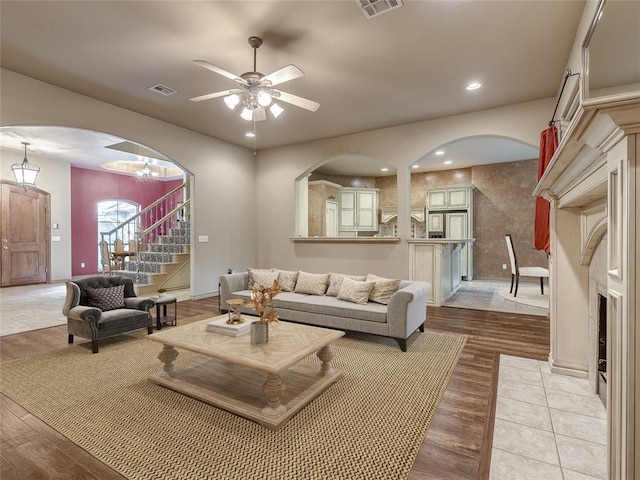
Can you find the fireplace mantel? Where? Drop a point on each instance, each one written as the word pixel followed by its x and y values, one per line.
pixel 593 186
pixel 577 174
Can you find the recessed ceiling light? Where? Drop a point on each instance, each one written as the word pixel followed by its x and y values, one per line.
pixel 474 86
pixel 448 162
pixel 385 169
pixel 414 166
pixel 250 134
pixel 439 152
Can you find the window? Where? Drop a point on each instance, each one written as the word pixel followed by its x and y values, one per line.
pixel 112 213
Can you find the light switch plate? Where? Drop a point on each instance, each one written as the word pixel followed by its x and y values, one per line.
pixel 55 238
pixel 203 238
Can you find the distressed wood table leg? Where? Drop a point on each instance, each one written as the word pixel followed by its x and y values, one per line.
pixel 273 389
pixel 325 354
pixel 167 356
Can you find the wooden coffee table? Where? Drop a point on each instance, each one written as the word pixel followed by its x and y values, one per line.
pixel 265 383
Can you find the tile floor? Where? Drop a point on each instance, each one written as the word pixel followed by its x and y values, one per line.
pixel 548 426
pixel 483 295
pixel 31 307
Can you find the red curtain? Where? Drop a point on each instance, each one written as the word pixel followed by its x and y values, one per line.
pixel 548 146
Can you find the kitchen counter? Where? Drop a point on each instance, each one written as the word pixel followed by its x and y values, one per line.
pixel 437 261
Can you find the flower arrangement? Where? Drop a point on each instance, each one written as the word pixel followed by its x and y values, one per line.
pixel 162 291
pixel 261 302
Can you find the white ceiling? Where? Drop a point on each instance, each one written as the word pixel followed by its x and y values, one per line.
pixel 409 65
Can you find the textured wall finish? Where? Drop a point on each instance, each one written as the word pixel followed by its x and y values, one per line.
pixel 421 182
pixel 388 195
pixel 503 204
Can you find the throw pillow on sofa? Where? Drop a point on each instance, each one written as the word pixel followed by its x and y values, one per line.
pixel 355 291
pixel 109 298
pixel 263 277
pixel 383 289
pixel 312 283
pixel 335 282
pixel 287 280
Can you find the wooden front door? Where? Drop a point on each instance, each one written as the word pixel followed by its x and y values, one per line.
pixel 24 235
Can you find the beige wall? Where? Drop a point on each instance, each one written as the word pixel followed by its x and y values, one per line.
pixel 400 147
pixel 219 211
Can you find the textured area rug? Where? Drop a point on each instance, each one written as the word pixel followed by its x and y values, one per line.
pixel 528 296
pixel 369 424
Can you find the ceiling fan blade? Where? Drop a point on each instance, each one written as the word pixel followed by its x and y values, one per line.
pixel 220 71
pixel 209 96
pixel 283 75
pixel 298 101
pixel 259 114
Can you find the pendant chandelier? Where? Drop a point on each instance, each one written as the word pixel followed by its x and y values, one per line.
pixel 146 174
pixel 25 173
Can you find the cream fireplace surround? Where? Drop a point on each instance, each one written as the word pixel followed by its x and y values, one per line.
pixel 592 184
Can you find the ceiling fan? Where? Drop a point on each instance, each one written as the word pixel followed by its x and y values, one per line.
pixel 256 92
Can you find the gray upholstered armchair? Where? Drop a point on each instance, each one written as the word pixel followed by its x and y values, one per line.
pixel 104 306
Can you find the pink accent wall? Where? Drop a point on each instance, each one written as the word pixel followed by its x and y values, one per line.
pixel 88 187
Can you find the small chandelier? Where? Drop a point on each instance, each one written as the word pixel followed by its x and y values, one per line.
pixel 146 175
pixel 25 172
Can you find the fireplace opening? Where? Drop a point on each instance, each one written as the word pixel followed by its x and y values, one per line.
pixel 602 348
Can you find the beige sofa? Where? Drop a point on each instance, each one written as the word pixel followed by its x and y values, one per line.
pixel 405 313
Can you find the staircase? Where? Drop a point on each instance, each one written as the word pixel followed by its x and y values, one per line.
pixel 162 250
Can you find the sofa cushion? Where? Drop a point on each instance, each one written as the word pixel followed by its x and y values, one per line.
pixel 263 277
pixel 122 318
pixel 109 298
pixel 373 312
pixel 312 283
pixel 355 291
pixel 287 280
pixel 383 288
pixel 335 282
pixel 321 304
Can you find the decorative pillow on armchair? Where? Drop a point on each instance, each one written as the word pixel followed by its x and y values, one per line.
pixel 109 298
pixel 383 289
pixel 355 291
pixel 311 283
pixel 261 277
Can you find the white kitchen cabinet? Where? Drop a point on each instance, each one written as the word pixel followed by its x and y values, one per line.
pixel 453 198
pixel 436 222
pixel 358 210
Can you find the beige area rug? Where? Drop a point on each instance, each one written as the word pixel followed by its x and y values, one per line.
pixel 528 296
pixel 370 424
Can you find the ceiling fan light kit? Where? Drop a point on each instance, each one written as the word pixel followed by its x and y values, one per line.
pixel 255 92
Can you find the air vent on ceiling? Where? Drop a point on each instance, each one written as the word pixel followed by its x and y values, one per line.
pixel 373 8
pixel 162 90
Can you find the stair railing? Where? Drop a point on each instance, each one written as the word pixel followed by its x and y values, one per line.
pixel 133 235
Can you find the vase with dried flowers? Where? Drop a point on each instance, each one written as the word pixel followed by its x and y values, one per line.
pixel 262 302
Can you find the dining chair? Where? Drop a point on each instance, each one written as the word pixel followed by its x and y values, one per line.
pixel 517 272
pixel 105 258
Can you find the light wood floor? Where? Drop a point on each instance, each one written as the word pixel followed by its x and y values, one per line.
pixel 457 445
